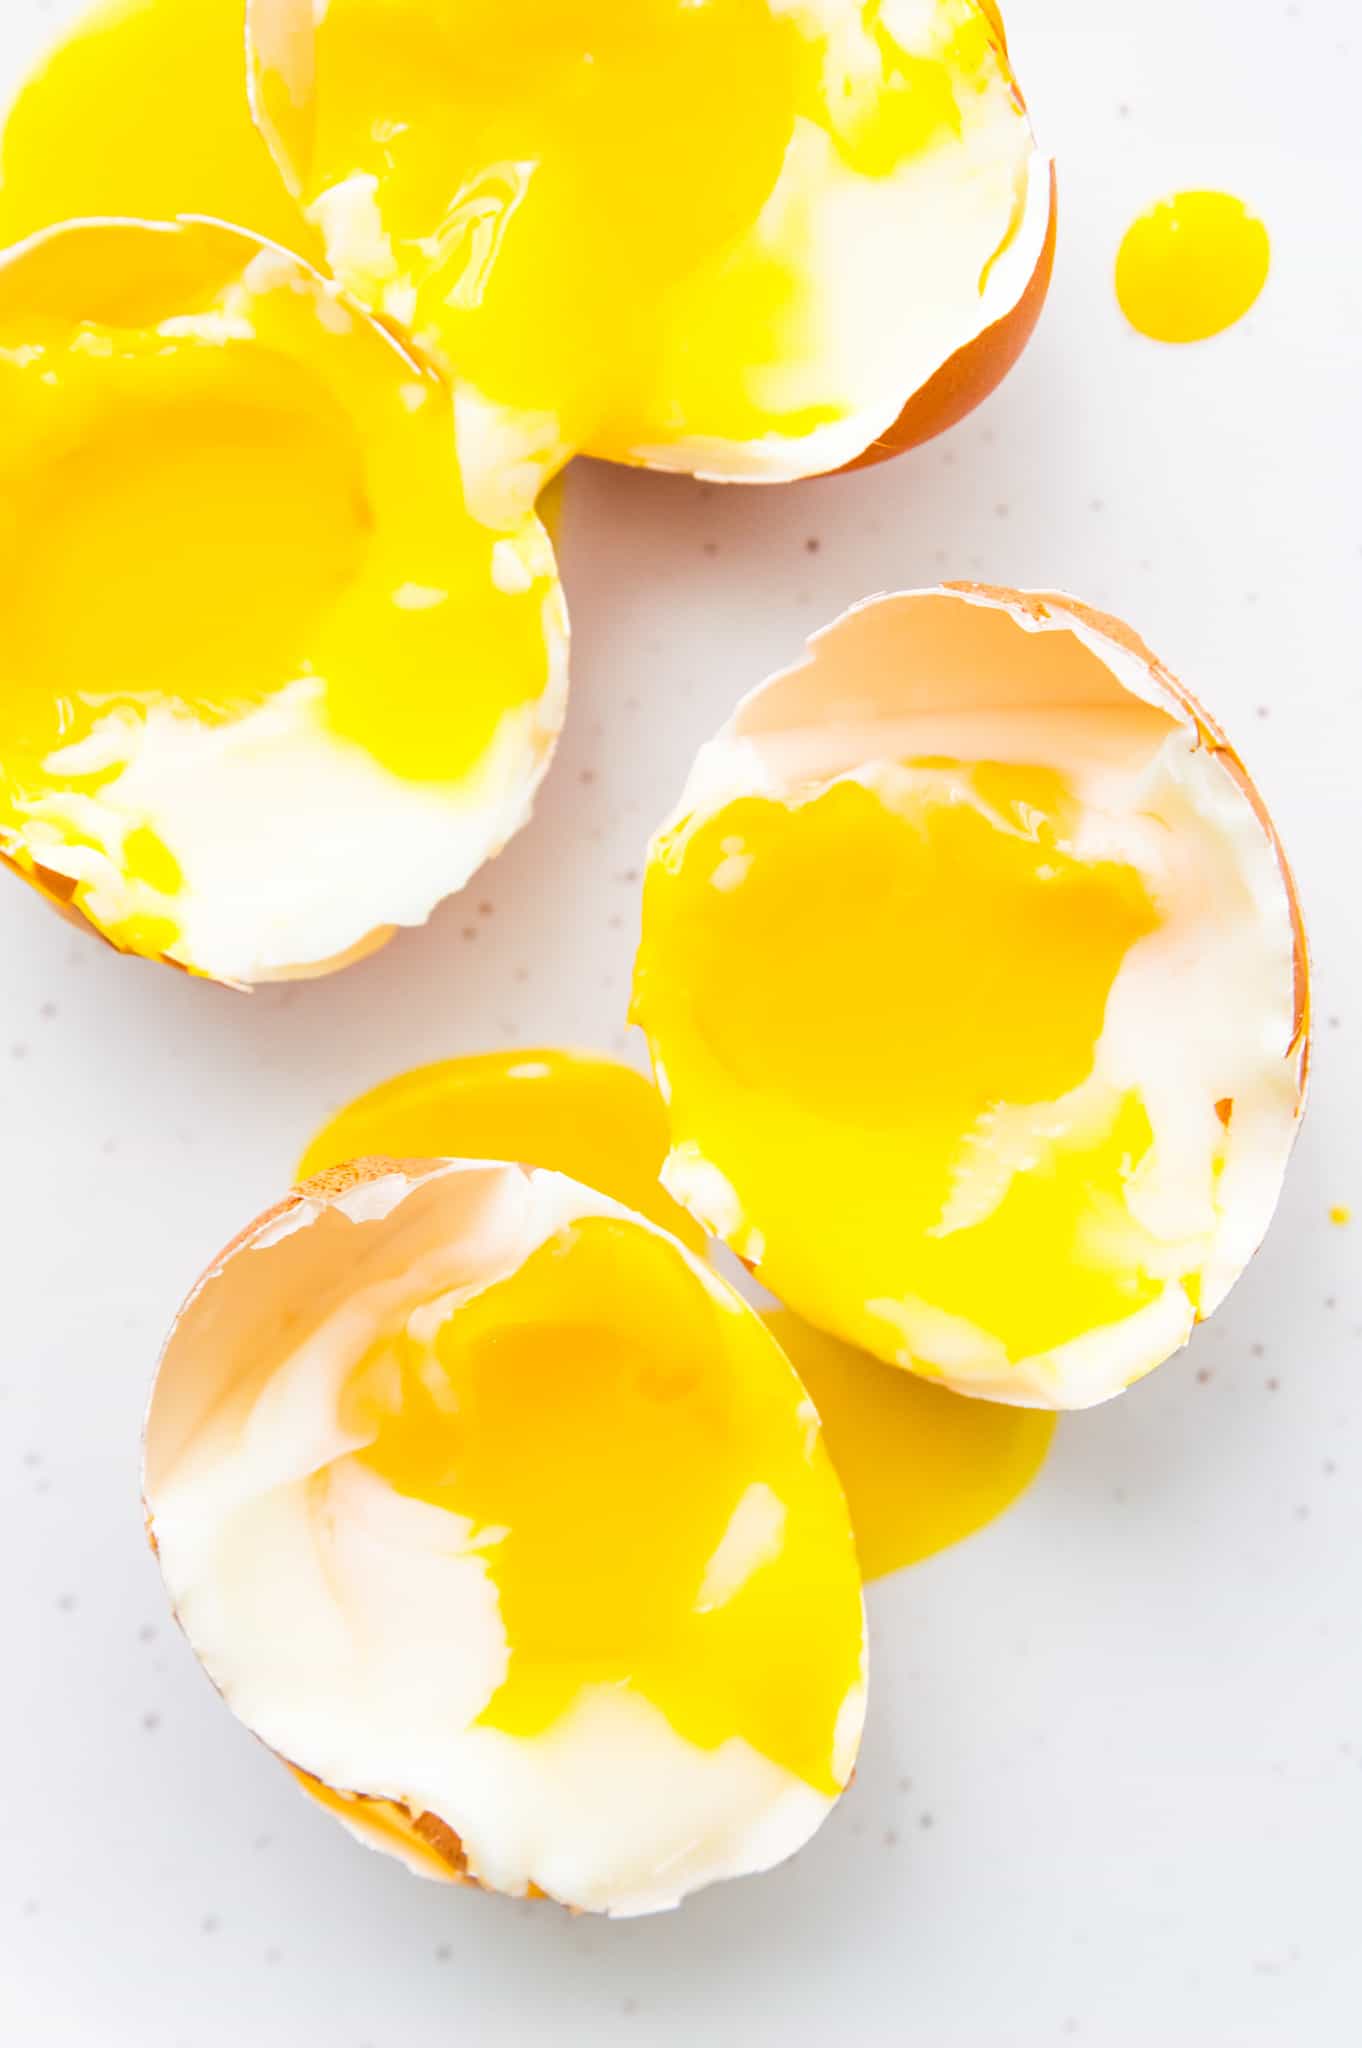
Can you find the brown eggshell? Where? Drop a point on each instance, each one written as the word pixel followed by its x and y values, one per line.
pixel 973 371
pixel 423 1841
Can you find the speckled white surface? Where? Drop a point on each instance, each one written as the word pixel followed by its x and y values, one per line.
pixel 1112 1788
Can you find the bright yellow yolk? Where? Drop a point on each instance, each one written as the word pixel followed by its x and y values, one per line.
pixel 594 1119
pixel 848 996
pixel 216 481
pixel 659 1512
pixel 922 1468
pixel 141 110
pixel 543 191
pixel 1191 266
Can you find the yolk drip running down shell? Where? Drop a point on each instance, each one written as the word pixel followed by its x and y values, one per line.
pixel 241 581
pixel 717 234
pixel 482 1498
pixel 921 1468
pixel 971 975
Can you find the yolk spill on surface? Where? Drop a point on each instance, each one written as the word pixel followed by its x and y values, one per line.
pixel 849 995
pixel 1191 266
pixel 141 110
pixel 657 1510
pixel 592 1118
pixel 1341 1214
pixel 921 1468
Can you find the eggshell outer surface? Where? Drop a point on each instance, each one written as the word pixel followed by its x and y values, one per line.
pixel 608 1808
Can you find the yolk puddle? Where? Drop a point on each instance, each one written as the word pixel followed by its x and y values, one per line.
pixel 921 1467
pixel 1340 1214
pixel 577 1113
pixel 871 1013
pixel 1191 266
pixel 634 1454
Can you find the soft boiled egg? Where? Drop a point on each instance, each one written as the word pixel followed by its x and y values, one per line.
pixel 974 979
pixel 269 689
pixel 502 1520
pixel 743 238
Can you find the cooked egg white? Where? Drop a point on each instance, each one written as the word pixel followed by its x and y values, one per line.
pixel 732 237
pixel 270 689
pixel 971 972
pixel 491 1510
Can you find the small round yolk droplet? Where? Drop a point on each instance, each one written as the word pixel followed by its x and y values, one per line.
pixel 577 1113
pixel 1191 266
pixel 921 1468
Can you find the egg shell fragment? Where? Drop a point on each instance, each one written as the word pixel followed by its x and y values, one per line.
pixel 346 844
pixel 966 670
pixel 711 1814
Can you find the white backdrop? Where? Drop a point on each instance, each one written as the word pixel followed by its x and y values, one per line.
pixel 1112 1788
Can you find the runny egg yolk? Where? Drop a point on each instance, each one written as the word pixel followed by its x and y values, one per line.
pixel 1191 266
pixel 853 999
pixel 553 197
pixel 922 1467
pixel 221 483
pixel 578 1113
pixel 141 110
pixel 573 206
pixel 648 1488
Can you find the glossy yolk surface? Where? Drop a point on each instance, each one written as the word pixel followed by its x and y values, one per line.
pixel 141 110
pixel 594 1119
pixel 538 189
pixel 1191 266
pixel 847 994
pixel 216 481
pixel 658 1510
pixel 922 1468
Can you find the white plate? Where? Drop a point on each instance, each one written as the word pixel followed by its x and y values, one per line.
pixel 1113 1782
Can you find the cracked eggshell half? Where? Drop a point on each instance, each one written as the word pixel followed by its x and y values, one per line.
pixel 507 1525
pixel 751 240
pixel 974 976
pixel 271 690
